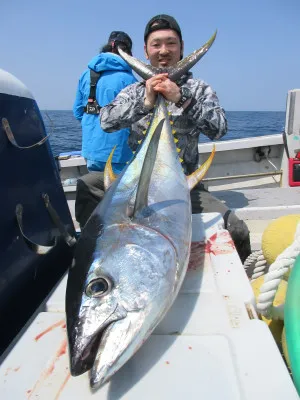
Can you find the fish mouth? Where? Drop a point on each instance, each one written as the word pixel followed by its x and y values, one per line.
pixel 85 359
pixel 85 349
pixel 119 342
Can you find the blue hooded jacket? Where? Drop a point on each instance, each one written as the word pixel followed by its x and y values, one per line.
pixel 115 76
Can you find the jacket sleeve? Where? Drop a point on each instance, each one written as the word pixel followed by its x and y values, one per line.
pixel 206 112
pixel 125 109
pixel 78 108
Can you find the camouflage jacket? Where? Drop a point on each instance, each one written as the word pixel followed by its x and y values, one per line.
pixel 204 114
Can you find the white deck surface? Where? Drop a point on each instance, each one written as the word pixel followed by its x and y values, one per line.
pixel 261 204
pixel 207 347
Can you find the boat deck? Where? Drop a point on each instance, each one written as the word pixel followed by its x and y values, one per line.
pixel 209 345
pixel 263 203
pixel 257 207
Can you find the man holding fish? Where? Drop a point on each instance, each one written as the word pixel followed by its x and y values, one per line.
pixel 133 252
pixel 193 108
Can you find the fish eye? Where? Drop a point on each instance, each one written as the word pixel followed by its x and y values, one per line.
pixel 98 287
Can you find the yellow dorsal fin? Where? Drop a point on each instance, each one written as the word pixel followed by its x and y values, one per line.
pixel 199 174
pixel 109 175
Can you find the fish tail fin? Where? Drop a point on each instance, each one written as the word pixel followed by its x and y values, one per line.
pixel 145 71
pixel 176 71
pixel 188 62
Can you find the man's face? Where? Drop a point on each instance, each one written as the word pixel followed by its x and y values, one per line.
pixel 163 48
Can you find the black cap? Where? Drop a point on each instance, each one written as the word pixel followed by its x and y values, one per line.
pixel 165 22
pixel 119 36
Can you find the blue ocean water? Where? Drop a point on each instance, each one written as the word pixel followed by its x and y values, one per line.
pixel 66 130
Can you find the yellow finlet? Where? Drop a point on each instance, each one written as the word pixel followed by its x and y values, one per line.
pixel 176 140
pixel 180 159
pixel 144 132
pixel 173 131
pixel 178 150
pixel 139 141
pixel 109 175
pixel 199 174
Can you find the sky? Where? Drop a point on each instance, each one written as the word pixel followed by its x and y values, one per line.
pixel 253 63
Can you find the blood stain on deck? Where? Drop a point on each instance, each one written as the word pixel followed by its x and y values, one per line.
pixel 49 370
pixel 220 243
pixel 50 328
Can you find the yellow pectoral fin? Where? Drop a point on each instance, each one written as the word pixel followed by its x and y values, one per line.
pixel 109 175
pixel 199 174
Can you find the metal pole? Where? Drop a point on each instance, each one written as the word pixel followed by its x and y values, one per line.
pixel 257 175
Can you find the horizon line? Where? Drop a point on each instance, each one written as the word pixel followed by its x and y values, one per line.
pixel 63 109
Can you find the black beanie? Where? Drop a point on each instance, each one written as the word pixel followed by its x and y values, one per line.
pixel 167 22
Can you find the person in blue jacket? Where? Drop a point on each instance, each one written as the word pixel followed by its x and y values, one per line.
pixel 115 75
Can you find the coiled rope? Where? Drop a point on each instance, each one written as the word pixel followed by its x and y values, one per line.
pixel 255 265
pixel 268 290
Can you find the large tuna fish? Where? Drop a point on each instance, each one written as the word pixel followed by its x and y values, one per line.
pixel 133 253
